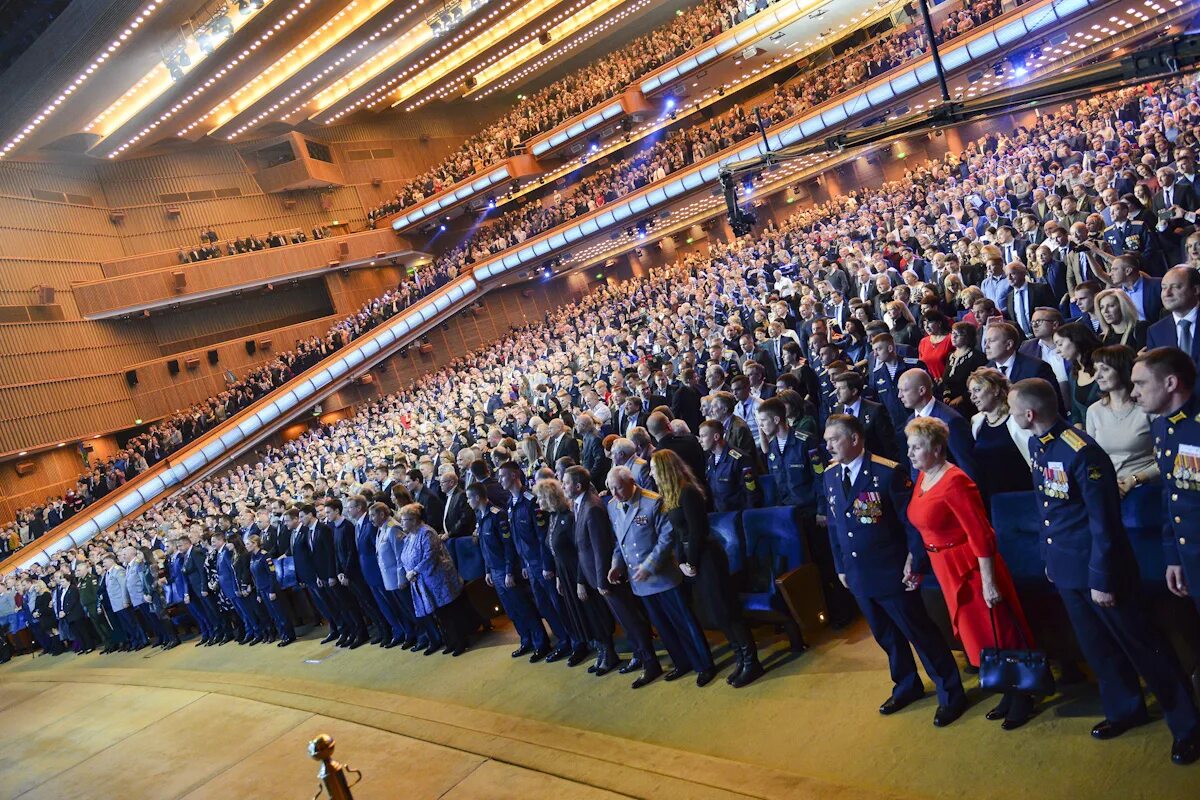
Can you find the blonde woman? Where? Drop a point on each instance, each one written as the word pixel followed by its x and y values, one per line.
pixel 1119 323
pixel 704 563
pixel 900 320
pixel 999 441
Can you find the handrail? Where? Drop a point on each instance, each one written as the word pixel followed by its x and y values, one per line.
pixel 879 93
pixel 247 427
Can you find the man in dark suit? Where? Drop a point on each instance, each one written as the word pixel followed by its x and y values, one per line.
pixel 457 517
pixel 353 594
pixel 1000 345
pixel 1024 298
pixel 435 507
pixel 687 447
pixel 1181 299
pixel 306 571
pixel 561 443
pixel 592 457
pixel 393 632
pixel 877 423
pixel 1172 203
pixel 686 403
pixel 595 541
pixel 916 392
pixel 318 539
pixel 1143 290
pixel 737 432
pixel 630 415
pixel 200 604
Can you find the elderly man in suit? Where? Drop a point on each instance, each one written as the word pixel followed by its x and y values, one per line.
pixel 561 443
pixel 596 543
pixel 190 564
pixel 393 631
pixel 457 517
pixel 645 556
pixel 1000 345
pixel 306 572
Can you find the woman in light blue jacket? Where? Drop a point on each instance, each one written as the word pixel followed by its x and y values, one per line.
pixel 395 583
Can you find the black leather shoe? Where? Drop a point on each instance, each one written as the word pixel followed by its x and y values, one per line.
pixel 523 650
pixel 1109 729
pixel 704 677
pixel 357 642
pixel 604 668
pixel 894 704
pixel 1020 711
pixel 947 714
pixel 458 651
pixel 646 677
pixel 676 673
pixel 414 645
pixel 557 654
pixel 433 648
pixel 578 656
pixel 376 639
pixel 390 643
pixel 1001 709
pixel 634 665
pixel 539 654
pixel 332 637
pixel 1186 751
pixel 285 641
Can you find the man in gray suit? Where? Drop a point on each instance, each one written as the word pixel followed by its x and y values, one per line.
pixel 645 556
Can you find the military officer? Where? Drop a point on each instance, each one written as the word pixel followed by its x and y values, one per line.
pixel 730 474
pixel 1127 235
pixel 885 381
pixel 645 557
pixel 1163 384
pixel 502 568
pixel 876 554
pixel 262 572
pixel 528 528
pixel 795 463
pixel 1091 563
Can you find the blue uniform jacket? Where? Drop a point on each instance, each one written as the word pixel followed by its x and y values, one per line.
pixel 869 531
pixel 791 467
pixel 1177 449
pixel 368 559
pixel 885 388
pixel 731 481
pixel 645 539
pixel 497 545
pixel 263 574
pixel 528 527
pixel 1084 544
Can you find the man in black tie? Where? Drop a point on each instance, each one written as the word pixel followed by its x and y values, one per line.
pixel 1024 297
pixel 877 423
pixel 457 517
pixel 1172 206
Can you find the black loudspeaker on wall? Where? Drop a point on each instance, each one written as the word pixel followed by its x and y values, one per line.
pixel 173 366
pixel 251 347
pixel 213 357
pixel 131 377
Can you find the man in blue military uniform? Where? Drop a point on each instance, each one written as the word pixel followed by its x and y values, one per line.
pixel 876 553
pixel 1163 381
pixel 502 566
pixel 528 529
pixel 1127 235
pixel 1091 563
pixel 728 471
pixel 645 557
pixel 885 381
pixel 794 463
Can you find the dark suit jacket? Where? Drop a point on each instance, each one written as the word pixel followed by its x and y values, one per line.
pixel 1152 307
pixel 1164 333
pixel 346 549
pixel 687 448
pixel 880 433
pixel 567 445
pixel 595 541
pixel 1040 295
pixel 686 406
pixel 193 572
pixel 323 552
pixel 460 519
pixel 1028 367
pixel 435 507
pixel 594 460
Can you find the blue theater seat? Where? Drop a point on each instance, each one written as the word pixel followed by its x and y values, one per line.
pixel 1018 527
pixel 725 527
pixel 467 556
pixel 1142 513
pixel 774 546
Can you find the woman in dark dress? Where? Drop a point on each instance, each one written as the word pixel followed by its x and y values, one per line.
pixel 586 612
pixel 963 360
pixel 703 562
pixel 999 441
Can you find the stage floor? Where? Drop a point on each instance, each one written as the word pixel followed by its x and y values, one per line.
pixel 234 722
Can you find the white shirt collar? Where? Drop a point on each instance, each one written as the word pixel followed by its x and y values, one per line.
pixel 855 466
pixel 1007 364
pixel 927 409
pixel 1189 316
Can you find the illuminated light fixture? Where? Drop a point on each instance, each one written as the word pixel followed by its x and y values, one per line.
pixel 316 44
pixel 83 77
pixel 163 76
pixel 505 27
pixel 417 37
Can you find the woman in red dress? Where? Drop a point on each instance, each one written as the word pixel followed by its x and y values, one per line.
pixel 947 509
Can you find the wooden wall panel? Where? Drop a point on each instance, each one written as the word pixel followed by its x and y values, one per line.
pixel 199 326
pixel 349 292
pixel 58 350
pixel 140 181
pixel 38 229
pixel 41 413
pixel 18 276
pixel 55 472
pixel 20 179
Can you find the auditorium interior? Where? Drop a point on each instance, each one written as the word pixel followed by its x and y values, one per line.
pixel 288 278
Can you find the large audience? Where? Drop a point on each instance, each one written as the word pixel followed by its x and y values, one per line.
pixel 987 309
pixel 143 450
pixel 211 246
pixel 605 78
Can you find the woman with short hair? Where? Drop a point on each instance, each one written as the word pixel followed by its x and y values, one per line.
pixel 947 509
pixel 999 441
pixel 436 587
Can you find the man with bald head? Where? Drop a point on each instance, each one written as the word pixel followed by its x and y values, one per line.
pixel 916 393
pixel 561 443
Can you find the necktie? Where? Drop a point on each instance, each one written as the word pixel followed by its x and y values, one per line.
pixel 1004 371
pixel 1023 310
pixel 1185 336
pixel 846 482
pixel 624 508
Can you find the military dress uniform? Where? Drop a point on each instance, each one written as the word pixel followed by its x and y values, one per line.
pixel 1130 236
pixel 871 541
pixel 500 560
pixel 1177 449
pixel 731 481
pixel 1085 548
pixel 528 527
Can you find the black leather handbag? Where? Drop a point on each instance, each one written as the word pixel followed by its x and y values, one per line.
pixel 1023 670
